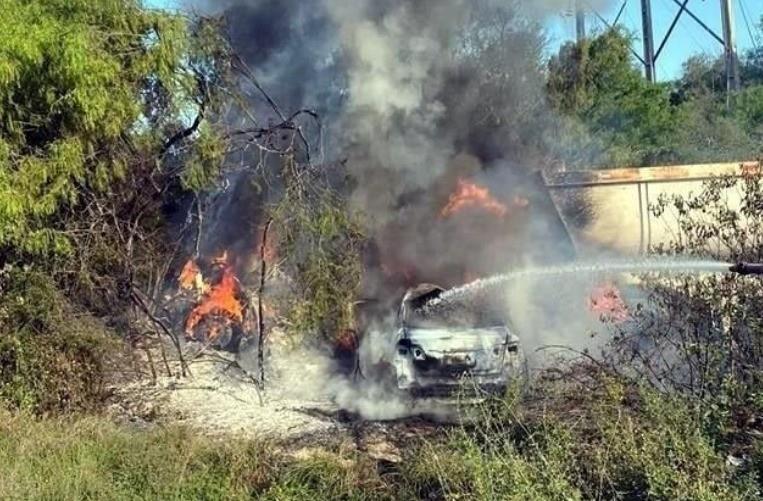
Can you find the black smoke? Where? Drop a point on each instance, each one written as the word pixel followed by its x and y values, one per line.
pixel 415 94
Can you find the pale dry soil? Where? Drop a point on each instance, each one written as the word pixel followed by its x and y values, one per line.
pixel 297 408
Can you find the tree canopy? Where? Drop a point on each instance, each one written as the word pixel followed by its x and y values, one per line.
pixel 614 117
pixel 91 91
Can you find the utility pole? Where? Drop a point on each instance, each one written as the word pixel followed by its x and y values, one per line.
pixel 730 47
pixel 580 20
pixel 648 35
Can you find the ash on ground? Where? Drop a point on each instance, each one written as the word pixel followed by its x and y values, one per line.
pixel 218 397
pixel 303 400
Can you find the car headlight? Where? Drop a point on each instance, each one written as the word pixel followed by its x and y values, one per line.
pixel 417 352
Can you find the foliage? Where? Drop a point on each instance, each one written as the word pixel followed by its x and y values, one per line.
pixel 321 239
pixel 323 475
pixel 494 90
pixel 585 435
pixel 611 116
pixel 85 88
pixel 92 458
pixel 105 127
pixel 630 121
pixel 597 438
pixel 52 358
pixel 700 335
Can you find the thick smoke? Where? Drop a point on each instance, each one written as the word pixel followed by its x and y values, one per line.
pixel 416 94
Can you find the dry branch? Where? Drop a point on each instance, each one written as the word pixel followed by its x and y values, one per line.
pixel 260 291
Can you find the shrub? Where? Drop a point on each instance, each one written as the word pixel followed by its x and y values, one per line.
pixel 700 334
pixel 52 357
pixel 321 238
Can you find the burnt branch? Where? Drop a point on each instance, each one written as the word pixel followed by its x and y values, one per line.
pixel 260 291
pixel 184 133
pixel 249 75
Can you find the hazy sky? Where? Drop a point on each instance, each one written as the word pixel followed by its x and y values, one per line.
pixel 688 37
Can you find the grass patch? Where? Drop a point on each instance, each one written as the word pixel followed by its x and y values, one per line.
pixel 606 441
pixel 566 441
pixel 92 458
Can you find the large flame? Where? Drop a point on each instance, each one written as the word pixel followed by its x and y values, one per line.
pixel 220 301
pixel 469 194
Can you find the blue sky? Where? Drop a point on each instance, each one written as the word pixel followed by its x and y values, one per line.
pixel 688 37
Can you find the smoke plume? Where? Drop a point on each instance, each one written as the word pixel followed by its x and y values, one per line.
pixel 415 95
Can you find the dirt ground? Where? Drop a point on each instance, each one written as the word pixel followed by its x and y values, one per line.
pixel 298 407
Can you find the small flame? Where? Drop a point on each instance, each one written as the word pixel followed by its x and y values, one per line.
pixel 605 300
pixel 220 301
pixel 469 194
pixel 190 277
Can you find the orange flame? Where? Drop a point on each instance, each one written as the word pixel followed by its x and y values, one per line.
pixel 190 277
pixel 469 194
pixel 606 301
pixel 220 301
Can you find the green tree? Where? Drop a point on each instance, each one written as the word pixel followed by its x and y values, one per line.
pixel 714 127
pixel 105 112
pixel 615 117
pixel 90 90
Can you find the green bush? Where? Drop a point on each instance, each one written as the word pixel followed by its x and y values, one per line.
pixel 321 238
pixel 52 357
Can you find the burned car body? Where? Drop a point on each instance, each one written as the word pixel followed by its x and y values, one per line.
pixel 447 355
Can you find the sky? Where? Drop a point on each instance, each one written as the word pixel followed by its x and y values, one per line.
pixel 688 37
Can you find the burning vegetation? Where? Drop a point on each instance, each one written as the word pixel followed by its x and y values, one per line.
pixel 606 302
pixel 191 279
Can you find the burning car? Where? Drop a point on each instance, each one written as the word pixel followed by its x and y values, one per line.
pixel 442 355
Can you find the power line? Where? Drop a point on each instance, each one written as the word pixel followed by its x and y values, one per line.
pixel 701 48
pixel 743 9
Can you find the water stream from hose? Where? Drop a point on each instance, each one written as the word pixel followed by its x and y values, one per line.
pixel 591 268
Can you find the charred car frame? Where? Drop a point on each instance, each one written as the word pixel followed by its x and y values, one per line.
pixel 448 355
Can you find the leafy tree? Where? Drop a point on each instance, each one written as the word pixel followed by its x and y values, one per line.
pixel 629 120
pixel 494 90
pixel 106 127
pixel 751 70
pixel 715 128
pixel 321 239
pixel 90 94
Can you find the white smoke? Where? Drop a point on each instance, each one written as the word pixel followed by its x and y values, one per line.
pixel 308 374
pixel 396 60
